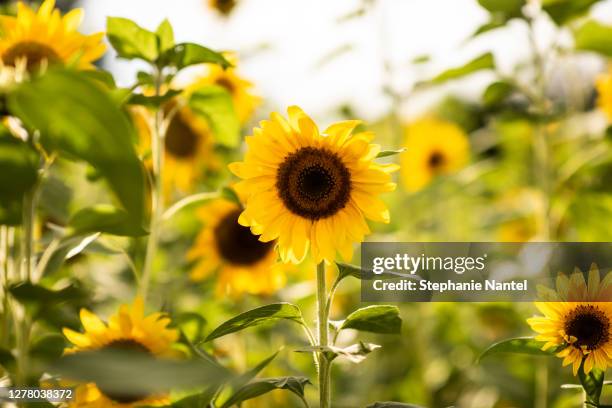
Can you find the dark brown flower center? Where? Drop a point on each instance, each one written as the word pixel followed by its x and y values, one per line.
pixel 32 51
pixel 124 397
pixel 237 244
pixel 314 183
pixel 224 6
pixel 436 161
pixel 181 139
pixel 589 325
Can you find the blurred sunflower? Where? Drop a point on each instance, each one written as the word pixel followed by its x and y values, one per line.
pixel 130 330
pixel 579 328
pixel 245 102
pixel 244 264
pixel 304 188
pixel 433 147
pixel 46 36
pixel 225 7
pixel 603 85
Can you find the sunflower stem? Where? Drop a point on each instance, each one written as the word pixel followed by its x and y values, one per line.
pixel 157 199
pixel 323 340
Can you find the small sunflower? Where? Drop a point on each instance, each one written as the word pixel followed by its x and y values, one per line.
pixel 44 36
pixel 225 7
pixel 243 262
pixel 577 320
pixel 603 85
pixel 304 188
pixel 245 101
pixel 433 147
pixel 129 329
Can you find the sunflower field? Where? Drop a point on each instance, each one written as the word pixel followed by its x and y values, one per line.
pixel 185 186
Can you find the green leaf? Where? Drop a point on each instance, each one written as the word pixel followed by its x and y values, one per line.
pixel 355 353
pixel 48 348
pixel 18 175
pixel 130 40
pixel 510 8
pixel 215 104
pixel 68 247
pixel 483 62
pixel 592 383
pixel 30 293
pixel 7 360
pixel 229 194
pixel 262 386
pixel 496 93
pixel 489 26
pixel 383 319
pixel 521 345
pixel 187 54
pixel 345 270
pixel 392 404
pixel 165 36
pixel 387 153
pixel 562 11
pixel 256 317
pixel 103 218
pixel 200 400
pixel 102 76
pixel 84 122
pixel 246 377
pixel 152 100
pixel 594 36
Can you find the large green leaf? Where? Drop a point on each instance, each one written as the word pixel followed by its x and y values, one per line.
pixel 165 36
pixel 256 317
pixel 18 174
pixel 562 11
pixel 594 36
pixel 483 62
pixel 130 40
pixel 103 218
pixel 84 122
pixel 507 8
pixel 186 54
pixel 521 345
pixel 262 386
pixel 496 93
pixel 376 319
pixel 215 104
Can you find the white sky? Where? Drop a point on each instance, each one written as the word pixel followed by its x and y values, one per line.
pixel 300 33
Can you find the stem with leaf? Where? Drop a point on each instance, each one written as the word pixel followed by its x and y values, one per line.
pixel 323 339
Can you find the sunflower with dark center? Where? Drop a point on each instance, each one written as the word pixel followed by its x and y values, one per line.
pixel 46 37
pixel 129 330
pixel 241 262
pixel 434 147
pixel 577 320
pixel 308 189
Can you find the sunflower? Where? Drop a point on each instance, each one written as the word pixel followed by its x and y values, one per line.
pixel 244 264
pixel 240 89
pixel 603 84
pixel 44 36
pixel 304 188
pixel 129 329
pixel 225 7
pixel 577 320
pixel 433 147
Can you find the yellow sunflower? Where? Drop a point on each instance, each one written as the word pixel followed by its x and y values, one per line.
pixel 577 320
pixel 307 189
pixel 245 101
pixel 128 329
pixel 243 263
pixel 225 7
pixel 433 147
pixel 45 36
pixel 603 85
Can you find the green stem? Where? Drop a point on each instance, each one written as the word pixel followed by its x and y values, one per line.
pixel 27 234
pixel 157 196
pixel 323 332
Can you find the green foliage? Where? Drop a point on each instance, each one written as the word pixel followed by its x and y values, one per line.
pixel 215 104
pixel 103 218
pixel 354 353
pixel 563 11
pixel 505 8
pixel 594 36
pixel 376 319
pixel 86 124
pixel 592 384
pixel 7 360
pixel 387 153
pixel 229 194
pixel 246 377
pixel 262 386
pixel 480 63
pixel 67 246
pixel 132 41
pixel 522 345
pixel 496 93
pixel 165 36
pixel 256 317
pixel 152 101
pixel 187 54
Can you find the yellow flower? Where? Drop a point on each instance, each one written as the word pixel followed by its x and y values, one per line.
pixel 307 189
pixel 46 36
pixel 243 263
pixel 245 102
pixel 603 84
pixel 577 320
pixel 224 7
pixel 128 329
pixel 433 147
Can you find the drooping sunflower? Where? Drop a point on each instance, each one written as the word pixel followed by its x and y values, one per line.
pixel 433 147
pixel 577 320
pixel 245 101
pixel 603 84
pixel 130 330
pixel 307 189
pixel 46 36
pixel 244 264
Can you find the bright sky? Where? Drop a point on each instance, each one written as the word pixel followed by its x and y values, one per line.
pixel 299 34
